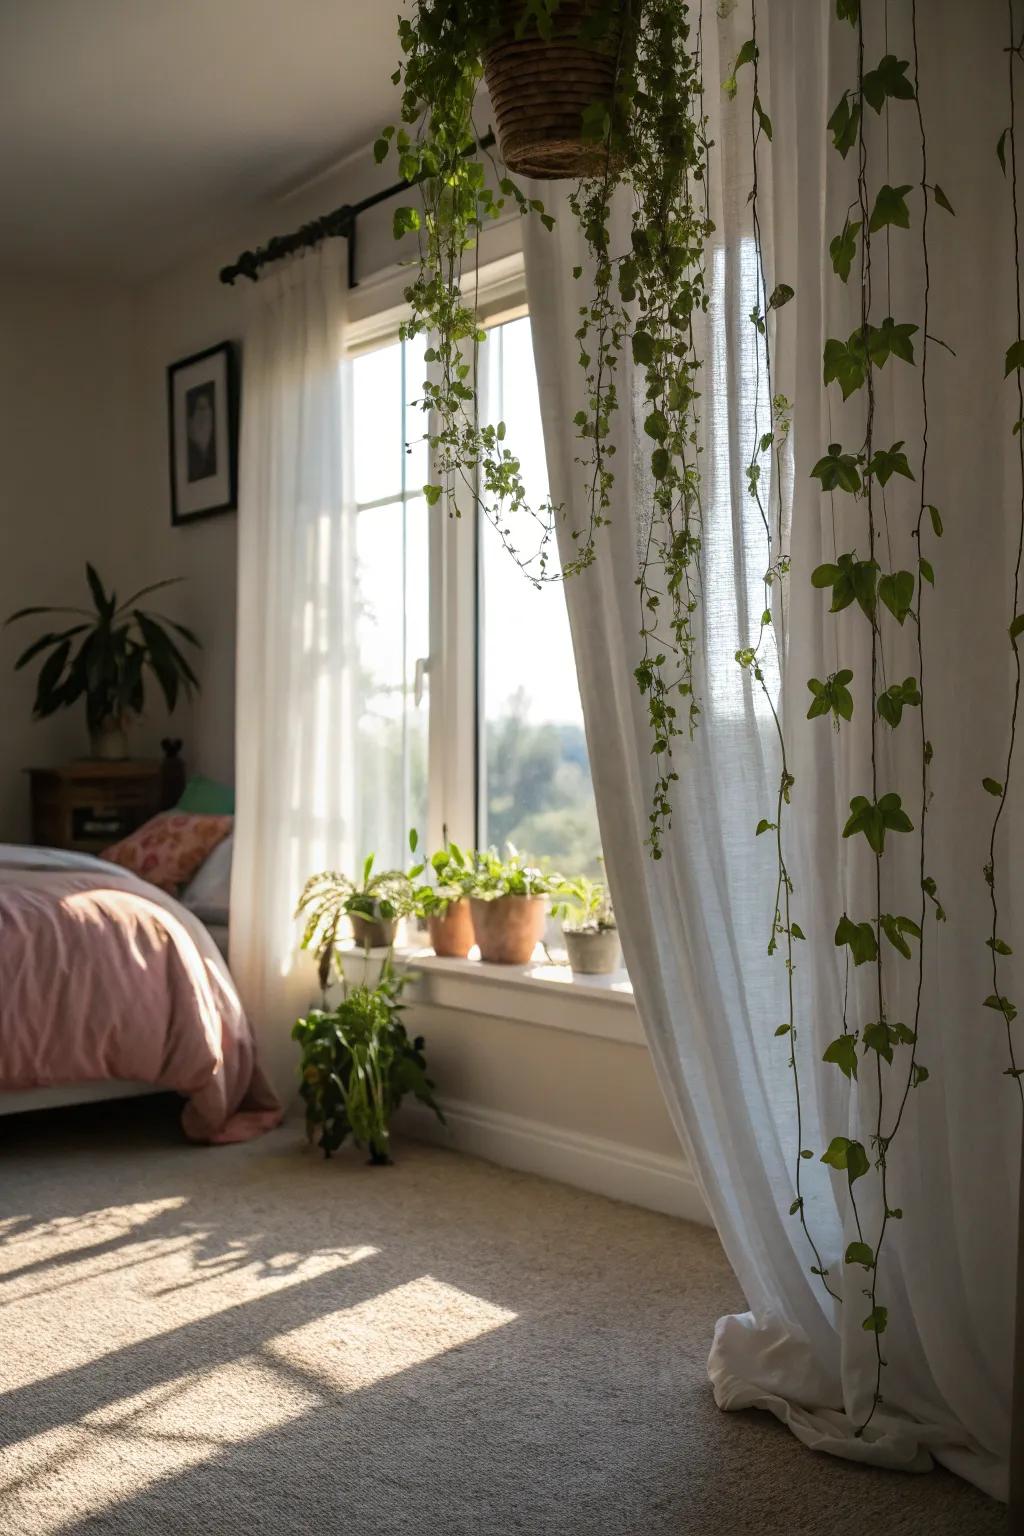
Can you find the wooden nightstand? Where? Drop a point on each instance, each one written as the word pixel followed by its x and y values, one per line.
pixel 88 805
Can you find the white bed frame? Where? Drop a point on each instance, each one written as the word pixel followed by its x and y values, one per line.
pixel 17 1102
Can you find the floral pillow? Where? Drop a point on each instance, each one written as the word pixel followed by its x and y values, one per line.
pixel 168 850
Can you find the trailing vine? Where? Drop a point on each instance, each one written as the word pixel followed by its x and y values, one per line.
pixel 998 999
pixel 653 136
pixel 751 658
pixel 880 596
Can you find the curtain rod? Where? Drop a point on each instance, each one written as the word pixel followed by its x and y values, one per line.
pixel 341 221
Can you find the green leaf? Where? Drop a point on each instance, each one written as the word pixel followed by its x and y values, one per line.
pixel 660 463
pixel 848 10
pixel 643 348
pixel 843 249
pixel 942 200
pixel 780 294
pixel 1001 148
pixel 849 1155
pixel 842 1053
pixel 1014 358
pixel 933 513
pixel 925 567
pixel 918 1074
pixel 845 364
pixel 405 221
pixel 890 208
pixel 844 124
pixel 783 1029
pixel 1001 1005
pixel 104 605
pixel 859 938
pixel 877 1320
pixel 432 493
pixel 886 462
pixel 860 1253
pixel 1000 946
pixel 765 826
pixel 656 426
pixel 837 471
pixel 993 786
pixel 888 79
pixel 1017 627
pixel 897 593
pixel 876 1038
pixel 763 118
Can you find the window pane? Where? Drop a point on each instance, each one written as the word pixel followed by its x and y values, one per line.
pixel 535 787
pixel 387 756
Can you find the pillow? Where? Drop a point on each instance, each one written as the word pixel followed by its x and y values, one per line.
pixel 205 797
pixel 208 895
pixel 168 850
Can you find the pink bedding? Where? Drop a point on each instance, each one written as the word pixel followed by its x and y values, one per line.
pixel 103 976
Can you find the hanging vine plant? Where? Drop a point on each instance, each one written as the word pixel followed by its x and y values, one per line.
pixel 609 94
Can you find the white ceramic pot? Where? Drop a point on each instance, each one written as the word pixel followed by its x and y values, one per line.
pixel 593 951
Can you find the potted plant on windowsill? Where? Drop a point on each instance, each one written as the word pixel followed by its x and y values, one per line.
pixel 117 644
pixel 357 1065
pixel 373 907
pixel 588 926
pixel 509 903
pixel 443 904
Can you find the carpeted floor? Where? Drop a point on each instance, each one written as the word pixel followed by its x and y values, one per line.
pixel 211 1341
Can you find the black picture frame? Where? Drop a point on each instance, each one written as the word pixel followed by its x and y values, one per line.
pixel 202 433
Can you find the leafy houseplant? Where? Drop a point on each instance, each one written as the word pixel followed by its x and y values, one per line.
pixel 588 926
pixel 443 904
pixel 373 907
pixel 117 645
pixel 357 1065
pixel 631 75
pixel 509 903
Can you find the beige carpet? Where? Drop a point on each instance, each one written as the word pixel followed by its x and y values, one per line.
pixel 249 1339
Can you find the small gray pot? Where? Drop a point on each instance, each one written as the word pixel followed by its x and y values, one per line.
pixel 593 951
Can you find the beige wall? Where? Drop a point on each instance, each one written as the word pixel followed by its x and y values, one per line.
pixel 71 490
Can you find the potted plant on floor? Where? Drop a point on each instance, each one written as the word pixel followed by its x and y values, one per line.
pixel 509 903
pixel 357 1064
pixel 117 644
pixel 588 926
pixel 443 904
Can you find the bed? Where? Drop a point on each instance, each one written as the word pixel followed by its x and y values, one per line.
pixel 108 986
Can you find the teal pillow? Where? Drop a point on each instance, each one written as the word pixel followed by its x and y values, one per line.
pixel 205 797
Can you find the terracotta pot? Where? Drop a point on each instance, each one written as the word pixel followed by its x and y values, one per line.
pixel 593 951
pixel 452 934
pixel 509 928
pixel 540 90
pixel 373 932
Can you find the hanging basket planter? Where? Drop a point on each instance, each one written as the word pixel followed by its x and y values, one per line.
pixel 541 88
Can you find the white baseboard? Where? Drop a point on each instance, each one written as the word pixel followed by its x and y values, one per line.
pixel 603 1167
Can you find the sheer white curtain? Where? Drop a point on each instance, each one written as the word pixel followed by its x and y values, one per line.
pixel 295 801
pixel 695 926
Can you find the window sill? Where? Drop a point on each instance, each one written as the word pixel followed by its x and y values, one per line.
pixel 541 994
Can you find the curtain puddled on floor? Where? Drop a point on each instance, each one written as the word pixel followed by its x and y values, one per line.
pixel 295 578
pixel 696 925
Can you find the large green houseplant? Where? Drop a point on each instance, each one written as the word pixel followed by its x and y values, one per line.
pixel 640 126
pixel 104 657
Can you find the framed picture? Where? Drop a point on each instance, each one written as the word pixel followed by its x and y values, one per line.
pixel 202 410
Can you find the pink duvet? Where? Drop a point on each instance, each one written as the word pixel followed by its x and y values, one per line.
pixel 103 976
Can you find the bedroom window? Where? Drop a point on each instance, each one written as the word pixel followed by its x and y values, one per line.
pixel 468 716
pixel 391 621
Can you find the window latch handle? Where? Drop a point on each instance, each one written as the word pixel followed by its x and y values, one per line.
pixel 422 668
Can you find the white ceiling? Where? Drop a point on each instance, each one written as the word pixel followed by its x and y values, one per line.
pixel 133 131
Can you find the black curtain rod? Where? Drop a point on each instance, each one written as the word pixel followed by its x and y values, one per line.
pixel 342 221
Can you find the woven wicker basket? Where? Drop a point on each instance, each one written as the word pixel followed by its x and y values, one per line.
pixel 540 90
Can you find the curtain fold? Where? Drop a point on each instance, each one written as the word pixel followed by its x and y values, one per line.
pixel 695 926
pixel 295 614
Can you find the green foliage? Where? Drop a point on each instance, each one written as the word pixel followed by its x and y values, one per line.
pixel 875 818
pixel 843 1054
pixel 859 938
pixel 357 1065
pixel 584 905
pixel 851 580
pixel 330 898
pixel 838 471
pixel 832 696
pixel 844 1154
pixel 890 208
pixel 650 137
pixel 897 593
pixel 117 645
pixel 489 875
pixel 896 698
pixel 843 249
